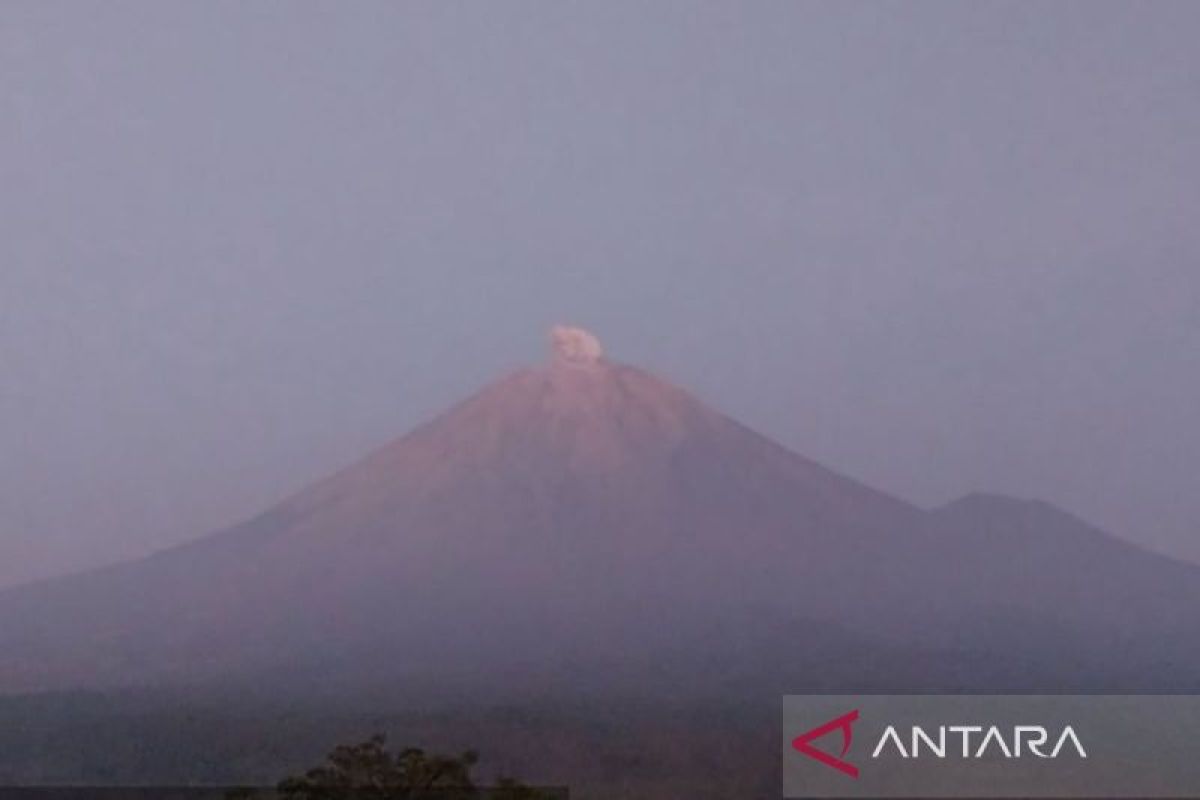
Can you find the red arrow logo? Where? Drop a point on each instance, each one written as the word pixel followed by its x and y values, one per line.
pixel 803 743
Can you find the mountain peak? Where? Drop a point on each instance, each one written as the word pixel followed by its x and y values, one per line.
pixel 562 517
pixel 575 346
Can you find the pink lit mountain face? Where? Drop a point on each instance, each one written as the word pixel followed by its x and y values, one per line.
pixel 588 516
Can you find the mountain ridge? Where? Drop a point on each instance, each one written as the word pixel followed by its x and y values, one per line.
pixel 567 512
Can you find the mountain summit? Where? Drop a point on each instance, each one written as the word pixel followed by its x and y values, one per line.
pixel 585 515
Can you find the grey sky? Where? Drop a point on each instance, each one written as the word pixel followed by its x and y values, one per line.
pixel 940 247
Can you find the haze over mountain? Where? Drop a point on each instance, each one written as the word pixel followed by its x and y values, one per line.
pixel 586 521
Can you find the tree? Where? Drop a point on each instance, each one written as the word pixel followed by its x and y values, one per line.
pixel 367 771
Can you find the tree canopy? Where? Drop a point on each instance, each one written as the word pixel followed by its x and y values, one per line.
pixel 368 771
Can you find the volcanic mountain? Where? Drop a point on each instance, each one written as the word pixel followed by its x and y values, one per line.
pixel 585 517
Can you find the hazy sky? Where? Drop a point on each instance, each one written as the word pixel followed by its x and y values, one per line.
pixel 939 247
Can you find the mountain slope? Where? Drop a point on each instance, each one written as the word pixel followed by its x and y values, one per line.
pixel 586 514
pixel 1031 578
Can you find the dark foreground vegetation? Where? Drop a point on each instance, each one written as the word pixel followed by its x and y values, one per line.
pixel 368 771
pixel 602 751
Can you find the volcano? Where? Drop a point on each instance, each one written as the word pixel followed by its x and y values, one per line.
pixel 586 518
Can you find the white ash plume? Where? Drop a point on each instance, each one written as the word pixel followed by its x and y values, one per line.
pixel 575 345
